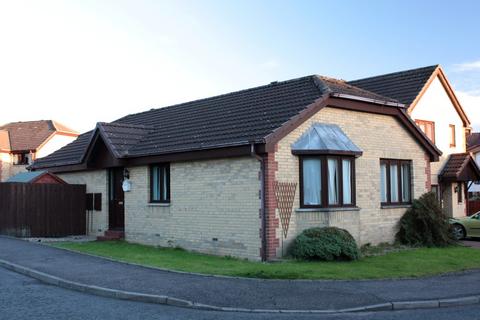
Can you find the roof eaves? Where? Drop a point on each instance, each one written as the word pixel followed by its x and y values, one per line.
pixel 452 96
pixel 217 146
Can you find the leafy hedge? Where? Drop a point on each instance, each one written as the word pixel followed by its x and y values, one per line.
pixel 424 224
pixel 326 244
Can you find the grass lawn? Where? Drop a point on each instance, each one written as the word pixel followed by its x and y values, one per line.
pixel 406 263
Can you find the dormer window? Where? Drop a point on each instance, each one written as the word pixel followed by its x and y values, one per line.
pixel 21 159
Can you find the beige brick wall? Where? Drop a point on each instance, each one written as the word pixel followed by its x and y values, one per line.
pixel 213 199
pixel 97 182
pixel 379 136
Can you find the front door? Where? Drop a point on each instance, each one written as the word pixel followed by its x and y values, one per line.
pixel 116 214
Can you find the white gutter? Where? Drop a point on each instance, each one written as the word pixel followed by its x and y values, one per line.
pixel 380 102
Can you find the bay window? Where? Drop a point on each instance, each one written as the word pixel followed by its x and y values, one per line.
pixel 395 181
pixel 327 181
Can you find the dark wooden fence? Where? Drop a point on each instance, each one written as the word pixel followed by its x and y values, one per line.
pixel 473 206
pixel 42 210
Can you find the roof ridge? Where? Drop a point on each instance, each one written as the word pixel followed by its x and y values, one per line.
pixel 396 73
pixel 320 84
pixel 126 125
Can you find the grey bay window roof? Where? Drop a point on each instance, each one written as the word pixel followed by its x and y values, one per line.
pixel 324 138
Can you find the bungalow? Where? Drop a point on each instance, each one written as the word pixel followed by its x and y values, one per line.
pixel 243 173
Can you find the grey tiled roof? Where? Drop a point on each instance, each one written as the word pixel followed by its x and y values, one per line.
pixel 121 137
pixel 403 86
pixel 232 119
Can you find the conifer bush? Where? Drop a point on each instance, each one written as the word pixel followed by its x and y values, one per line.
pixel 424 224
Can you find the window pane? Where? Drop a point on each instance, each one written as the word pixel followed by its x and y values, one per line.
pixel 405 175
pixel 452 135
pixel 347 181
pixel 393 182
pixel 333 181
pixel 312 181
pixel 383 182
pixel 429 131
pixel 155 183
pixel 436 191
pixel 164 184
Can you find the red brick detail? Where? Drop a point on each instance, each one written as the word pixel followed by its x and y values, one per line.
pixel 272 222
pixel 428 173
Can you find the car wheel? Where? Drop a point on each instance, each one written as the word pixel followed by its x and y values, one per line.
pixel 458 232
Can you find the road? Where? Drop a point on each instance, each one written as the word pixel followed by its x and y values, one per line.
pixel 25 298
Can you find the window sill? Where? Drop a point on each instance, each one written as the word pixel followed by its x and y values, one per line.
pixel 395 206
pixel 327 209
pixel 153 204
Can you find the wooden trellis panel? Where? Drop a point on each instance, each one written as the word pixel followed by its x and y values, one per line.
pixel 285 195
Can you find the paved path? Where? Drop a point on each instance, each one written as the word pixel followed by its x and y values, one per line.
pixel 231 292
pixel 43 302
pixel 473 243
pixel 23 298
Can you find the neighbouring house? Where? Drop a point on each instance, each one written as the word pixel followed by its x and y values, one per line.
pixel 243 173
pixel 473 147
pixel 23 142
pixel 432 104
pixel 36 177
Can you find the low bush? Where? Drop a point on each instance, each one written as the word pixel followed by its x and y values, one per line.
pixel 424 224
pixel 326 244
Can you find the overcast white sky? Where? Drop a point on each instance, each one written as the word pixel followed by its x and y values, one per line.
pixel 80 62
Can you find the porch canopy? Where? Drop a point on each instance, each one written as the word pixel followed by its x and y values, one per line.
pixel 324 138
pixel 460 167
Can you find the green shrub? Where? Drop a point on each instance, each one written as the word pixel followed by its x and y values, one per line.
pixel 327 244
pixel 424 224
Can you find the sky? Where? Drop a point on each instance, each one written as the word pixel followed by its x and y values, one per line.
pixel 82 62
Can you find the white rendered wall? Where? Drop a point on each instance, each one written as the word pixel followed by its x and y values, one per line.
pixel 436 106
pixel 55 143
